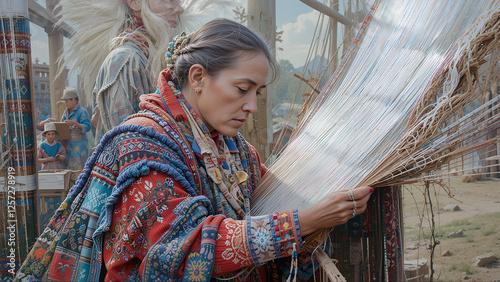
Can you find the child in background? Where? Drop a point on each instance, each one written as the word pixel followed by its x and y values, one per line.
pixel 51 153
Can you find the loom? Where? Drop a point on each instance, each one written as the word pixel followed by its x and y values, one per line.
pixel 414 98
pixel 404 101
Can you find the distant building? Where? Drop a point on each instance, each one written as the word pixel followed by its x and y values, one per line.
pixel 282 110
pixel 284 118
pixel 284 131
pixel 41 85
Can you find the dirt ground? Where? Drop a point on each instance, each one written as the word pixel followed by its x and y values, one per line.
pixel 478 218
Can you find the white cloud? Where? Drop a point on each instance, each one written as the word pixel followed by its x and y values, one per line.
pixel 297 37
pixel 227 10
pixel 219 9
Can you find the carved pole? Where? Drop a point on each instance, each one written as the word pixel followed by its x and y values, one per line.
pixel 18 189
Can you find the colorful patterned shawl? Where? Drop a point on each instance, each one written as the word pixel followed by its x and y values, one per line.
pixel 71 246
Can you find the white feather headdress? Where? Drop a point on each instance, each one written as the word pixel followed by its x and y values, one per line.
pixel 97 23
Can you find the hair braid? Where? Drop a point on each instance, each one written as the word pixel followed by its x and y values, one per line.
pixel 177 47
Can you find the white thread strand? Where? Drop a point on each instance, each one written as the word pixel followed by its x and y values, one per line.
pixel 364 118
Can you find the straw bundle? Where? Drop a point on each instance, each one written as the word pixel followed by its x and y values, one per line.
pixel 408 102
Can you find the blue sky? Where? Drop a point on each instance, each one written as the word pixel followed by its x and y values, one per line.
pixel 294 17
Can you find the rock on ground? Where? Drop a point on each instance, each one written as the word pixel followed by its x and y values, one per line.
pixel 484 259
pixel 456 234
pixel 452 207
pixel 416 268
pixel 446 254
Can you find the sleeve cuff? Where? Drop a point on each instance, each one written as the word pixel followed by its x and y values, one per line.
pixel 272 236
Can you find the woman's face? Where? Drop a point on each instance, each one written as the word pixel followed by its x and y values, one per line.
pixel 169 10
pixel 226 100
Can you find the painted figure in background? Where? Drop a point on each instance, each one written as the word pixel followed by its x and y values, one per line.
pixel 51 153
pixel 79 124
pixel 119 50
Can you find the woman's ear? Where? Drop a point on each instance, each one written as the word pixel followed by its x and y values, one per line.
pixel 135 6
pixel 197 73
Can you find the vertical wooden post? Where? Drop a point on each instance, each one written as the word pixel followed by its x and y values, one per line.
pixel 258 128
pixel 494 150
pixel 333 41
pixel 57 82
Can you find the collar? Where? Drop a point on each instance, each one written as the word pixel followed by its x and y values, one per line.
pixel 169 97
pixel 76 107
pixel 137 21
pixel 137 34
pixel 51 145
pixel 172 102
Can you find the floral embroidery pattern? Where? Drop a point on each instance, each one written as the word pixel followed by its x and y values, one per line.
pixel 235 242
pixel 196 270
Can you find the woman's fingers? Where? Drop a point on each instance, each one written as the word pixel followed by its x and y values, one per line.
pixel 334 209
pixel 362 192
pixel 359 198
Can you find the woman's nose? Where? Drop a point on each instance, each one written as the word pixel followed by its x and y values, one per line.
pixel 251 104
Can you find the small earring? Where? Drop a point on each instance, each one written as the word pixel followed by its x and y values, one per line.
pixel 197 90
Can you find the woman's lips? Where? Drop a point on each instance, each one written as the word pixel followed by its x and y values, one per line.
pixel 240 122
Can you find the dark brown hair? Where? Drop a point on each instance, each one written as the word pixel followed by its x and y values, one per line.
pixel 216 46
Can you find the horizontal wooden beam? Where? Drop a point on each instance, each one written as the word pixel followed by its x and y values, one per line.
pixel 322 8
pixel 46 19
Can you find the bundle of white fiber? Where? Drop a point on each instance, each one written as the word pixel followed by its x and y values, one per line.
pixel 406 103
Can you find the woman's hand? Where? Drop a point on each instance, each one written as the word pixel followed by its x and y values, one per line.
pixel 334 209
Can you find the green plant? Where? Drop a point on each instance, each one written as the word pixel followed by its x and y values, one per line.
pixel 438 233
pixel 474 227
pixel 489 231
pixel 462 267
pixel 459 222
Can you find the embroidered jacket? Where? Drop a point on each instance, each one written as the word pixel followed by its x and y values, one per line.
pixel 145 208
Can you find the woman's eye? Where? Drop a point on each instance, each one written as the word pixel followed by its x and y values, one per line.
pixel 242 90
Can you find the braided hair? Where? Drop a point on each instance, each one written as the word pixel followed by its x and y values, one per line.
pixel 216 46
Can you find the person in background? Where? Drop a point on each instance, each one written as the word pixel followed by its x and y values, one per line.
pixel 45 114
pixel 167 194
pixel 41 124
pixel 119 49
pixel 51 153
pixel 78 120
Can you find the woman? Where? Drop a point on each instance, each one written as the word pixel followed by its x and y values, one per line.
pixel 166 196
